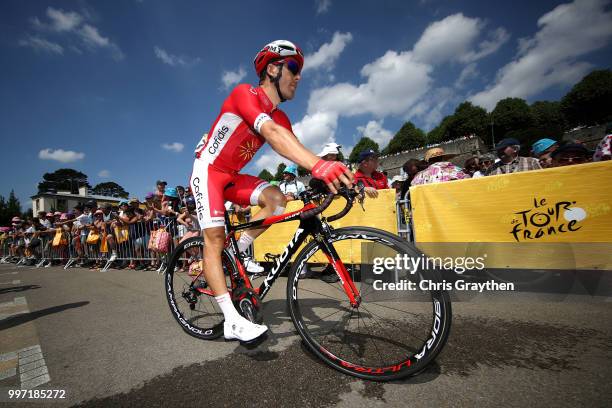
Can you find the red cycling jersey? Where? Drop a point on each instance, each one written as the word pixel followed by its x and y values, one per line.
pixel 234 138
pixel 231 143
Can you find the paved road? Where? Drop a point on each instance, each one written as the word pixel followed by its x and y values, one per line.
pixel 108 339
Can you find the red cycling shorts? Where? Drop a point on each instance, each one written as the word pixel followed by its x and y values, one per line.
pixel 212 187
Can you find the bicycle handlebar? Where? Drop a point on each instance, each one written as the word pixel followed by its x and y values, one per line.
pixel 348 194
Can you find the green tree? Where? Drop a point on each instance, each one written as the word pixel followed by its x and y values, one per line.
pixel 468 119
pixel 548 120
pixel 511 116
pixel 9 209
pixel 440 133
pixel 110 189
pixel 265 175
pixel 63 179
pixel 279 171
pixel 363 144
pixel 589 102
pixel 302 171
pixel 408 137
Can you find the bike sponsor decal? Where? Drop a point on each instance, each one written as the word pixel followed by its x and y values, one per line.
pixel 267 283
pixel 434 331
pixel 544 219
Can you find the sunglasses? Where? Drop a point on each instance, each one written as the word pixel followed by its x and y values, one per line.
pixel 292 66
pixel 572 160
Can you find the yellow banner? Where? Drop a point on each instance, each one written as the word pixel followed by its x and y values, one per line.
pixel 560 209
pixel 380 213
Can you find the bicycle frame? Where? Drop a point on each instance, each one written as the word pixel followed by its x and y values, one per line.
pixel 308 227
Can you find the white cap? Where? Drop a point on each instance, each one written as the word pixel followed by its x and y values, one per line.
pixel 397 178
pixel 330 148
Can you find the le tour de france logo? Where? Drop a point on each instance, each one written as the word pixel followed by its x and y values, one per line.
pixel 545 219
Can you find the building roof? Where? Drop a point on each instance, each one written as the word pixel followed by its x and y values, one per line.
pixel 87 197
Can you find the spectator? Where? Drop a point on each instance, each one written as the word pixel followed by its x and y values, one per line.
pixel 542 150
pixel 330 152
pixel 510 161
pixel 472 165
pixel 397 183
pixel 290 186
pixel 108 219
pixel 439 168
pixel 412 167
pixel 368 175
pixel 161 188
pixel 485 161
pixel 571 153
pixel 602 152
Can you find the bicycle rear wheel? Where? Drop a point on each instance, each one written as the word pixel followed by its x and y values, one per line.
pixel 390 334
pixel 189 297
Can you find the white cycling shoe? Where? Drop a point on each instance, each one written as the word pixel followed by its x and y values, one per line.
pixel 243 330
pixel 251 265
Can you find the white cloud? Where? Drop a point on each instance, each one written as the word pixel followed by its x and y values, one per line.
pixel 104 174
pixel 394 82
pixel 454 39
pixel 60 155
pixel 314 130
pixel 70 23
pixel 468 72
pixel 498 38
pixel 550 57
pixel 374 130
pixel 269 160
pixel 174 60
pixel 40 44
pixel 92 38
pixel 173 147
pixel 230 78
pixel 60 20
pixel 328 53
pixel 323 6
pixel 447 39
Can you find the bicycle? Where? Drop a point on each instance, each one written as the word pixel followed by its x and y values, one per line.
pixel 349 325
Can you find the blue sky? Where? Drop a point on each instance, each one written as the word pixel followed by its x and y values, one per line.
pixel 123 90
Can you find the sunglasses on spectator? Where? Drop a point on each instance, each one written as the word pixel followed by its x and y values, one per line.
pixel 572 160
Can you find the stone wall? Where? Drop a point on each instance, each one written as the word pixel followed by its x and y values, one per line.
pixel 464 147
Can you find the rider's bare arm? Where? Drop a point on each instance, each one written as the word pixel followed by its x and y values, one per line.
pixel 287 145
pixel 284 142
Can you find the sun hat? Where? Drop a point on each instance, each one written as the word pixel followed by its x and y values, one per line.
pixel 437 153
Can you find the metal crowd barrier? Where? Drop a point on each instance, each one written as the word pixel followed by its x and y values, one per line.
pixel 404 219
pixel 131 247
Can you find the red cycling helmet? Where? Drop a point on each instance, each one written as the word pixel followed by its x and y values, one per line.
pixel 277 50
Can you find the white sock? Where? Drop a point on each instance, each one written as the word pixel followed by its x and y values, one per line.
pixel 244 242
pixel 227 307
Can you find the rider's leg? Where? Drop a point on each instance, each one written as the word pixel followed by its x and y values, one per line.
pixel 272 202
pixel 235 326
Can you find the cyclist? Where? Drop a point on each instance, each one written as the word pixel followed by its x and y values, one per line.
pixel 249 117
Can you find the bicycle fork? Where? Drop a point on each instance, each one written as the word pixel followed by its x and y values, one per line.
pixel 345 278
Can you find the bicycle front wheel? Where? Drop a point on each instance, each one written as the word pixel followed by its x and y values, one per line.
pixel 390 334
